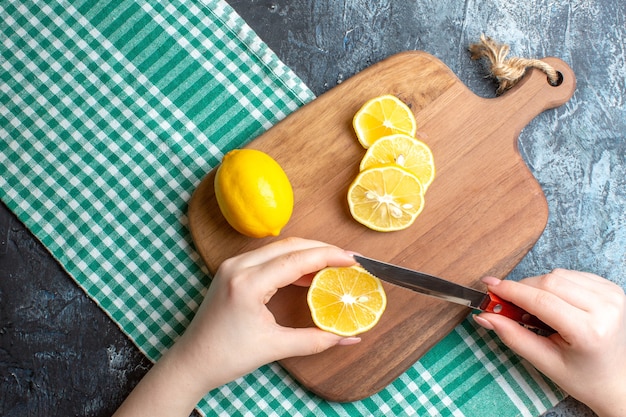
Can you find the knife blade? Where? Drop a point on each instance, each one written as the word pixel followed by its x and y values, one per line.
pixel 450 291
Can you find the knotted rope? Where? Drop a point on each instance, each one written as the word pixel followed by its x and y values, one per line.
pixel 508 71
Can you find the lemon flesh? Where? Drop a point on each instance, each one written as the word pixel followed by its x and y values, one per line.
pixel 383 116
pixel 386 198
pixel 346 300
pixel 403 150
pixel 253 193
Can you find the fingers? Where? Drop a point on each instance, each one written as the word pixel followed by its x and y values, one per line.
pixel 308 341
pixel 558 278
pixel 574 291
pixel 274 249
pixel 573 303
pixel 235 265
pixel 540 351
pixel 554 309
pixel 581 289
pixel 291 260
pixel 289 267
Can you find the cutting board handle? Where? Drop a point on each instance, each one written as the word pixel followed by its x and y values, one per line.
pixel 533 94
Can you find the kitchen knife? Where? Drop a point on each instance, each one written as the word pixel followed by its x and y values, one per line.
pixel 450 291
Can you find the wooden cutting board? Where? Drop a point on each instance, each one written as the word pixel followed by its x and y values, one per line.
pixel 483 212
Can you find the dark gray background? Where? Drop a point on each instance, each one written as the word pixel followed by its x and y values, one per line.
pixel 61 355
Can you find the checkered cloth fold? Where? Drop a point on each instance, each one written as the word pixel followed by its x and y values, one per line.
pixel 111 113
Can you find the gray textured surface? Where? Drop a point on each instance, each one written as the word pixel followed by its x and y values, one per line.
pixel 60 355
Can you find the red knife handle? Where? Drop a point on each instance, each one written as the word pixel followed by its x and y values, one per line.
pixel 497 305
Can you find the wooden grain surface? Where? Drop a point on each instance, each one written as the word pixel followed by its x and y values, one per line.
pixel 483 212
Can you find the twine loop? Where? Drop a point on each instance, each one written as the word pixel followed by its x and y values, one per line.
pixel 508 71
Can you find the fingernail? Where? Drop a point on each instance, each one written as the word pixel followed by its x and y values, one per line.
pixel 352 253
pixel 347 341
pixel 490 281
pixel 483 322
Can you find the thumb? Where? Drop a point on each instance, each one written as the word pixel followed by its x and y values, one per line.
pixel 309 341
pixel 538 350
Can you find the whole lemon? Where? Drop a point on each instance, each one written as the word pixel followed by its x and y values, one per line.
pixel 253 193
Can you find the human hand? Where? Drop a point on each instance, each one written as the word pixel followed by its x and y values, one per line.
pixel 234 322
pixel 233 332
pixel 587 355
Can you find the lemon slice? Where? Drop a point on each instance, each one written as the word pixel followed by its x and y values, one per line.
pixel 403 150
pixel 386 198
pixel 346 300
pixel 383 116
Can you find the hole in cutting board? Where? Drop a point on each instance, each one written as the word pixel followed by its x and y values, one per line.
pixel 558 81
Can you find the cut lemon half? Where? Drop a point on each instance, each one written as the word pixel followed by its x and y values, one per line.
pixel 403 150
pixel 346 300
pixel 386 198
pixel 383 116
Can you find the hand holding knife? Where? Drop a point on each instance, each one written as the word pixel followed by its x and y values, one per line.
pixel 450 291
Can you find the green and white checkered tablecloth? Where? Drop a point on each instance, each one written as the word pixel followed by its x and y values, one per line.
pixel 111 113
